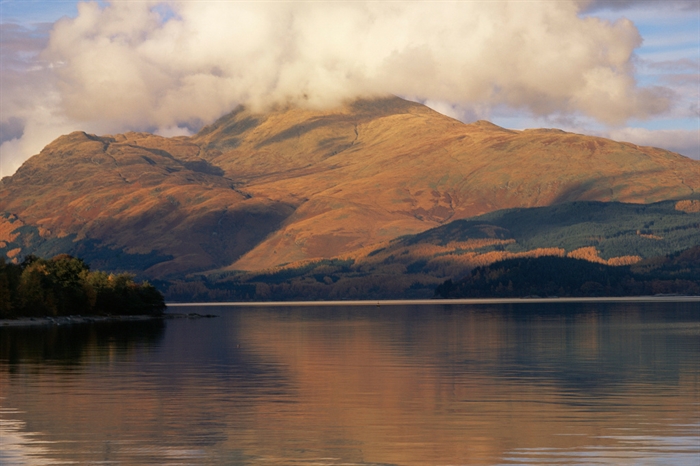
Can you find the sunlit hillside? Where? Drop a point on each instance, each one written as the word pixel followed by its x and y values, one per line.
pixel 257 192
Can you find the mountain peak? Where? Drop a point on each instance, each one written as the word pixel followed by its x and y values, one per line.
pixel 260 189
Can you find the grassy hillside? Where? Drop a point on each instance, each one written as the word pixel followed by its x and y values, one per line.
pixel 255 191
pixel 614 237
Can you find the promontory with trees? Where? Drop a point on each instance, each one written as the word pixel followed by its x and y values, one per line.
pixel 65 285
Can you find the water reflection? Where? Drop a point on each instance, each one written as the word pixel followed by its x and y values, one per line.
pixel 18 446
pixel 482 382
pixel 533 384
pixel 78 343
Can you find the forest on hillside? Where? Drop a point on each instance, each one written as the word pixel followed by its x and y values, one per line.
pixel 542 274
pixel 65 285
pixel 677 274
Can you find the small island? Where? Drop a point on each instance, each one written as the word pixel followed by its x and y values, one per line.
pixel 65 286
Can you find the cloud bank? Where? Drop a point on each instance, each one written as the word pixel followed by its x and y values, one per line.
pixel 171 66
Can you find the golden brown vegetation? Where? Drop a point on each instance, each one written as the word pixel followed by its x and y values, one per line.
pixel 254 191
pixel 688 205
pixel 590 254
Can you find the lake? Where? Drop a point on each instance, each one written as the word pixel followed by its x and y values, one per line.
pixel 432 384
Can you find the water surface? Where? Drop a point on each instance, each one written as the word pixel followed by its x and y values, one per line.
pixel 526 383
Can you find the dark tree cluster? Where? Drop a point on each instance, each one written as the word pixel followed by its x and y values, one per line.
pixel 64 285
pixel 564 276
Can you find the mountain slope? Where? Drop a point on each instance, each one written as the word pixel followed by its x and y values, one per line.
pixel 253 191
pixel 613 235
pixel 139 194
pixel 374 170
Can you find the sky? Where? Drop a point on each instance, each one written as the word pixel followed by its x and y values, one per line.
pixel 626 69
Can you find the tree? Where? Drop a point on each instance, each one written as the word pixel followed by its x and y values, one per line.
pixel 65 285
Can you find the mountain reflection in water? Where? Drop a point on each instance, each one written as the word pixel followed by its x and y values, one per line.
pixel 441 384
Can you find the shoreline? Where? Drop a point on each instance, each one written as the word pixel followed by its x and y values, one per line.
pixel 77 320
pixel 465 301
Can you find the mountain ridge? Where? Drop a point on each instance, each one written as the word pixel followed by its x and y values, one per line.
pixel 253 191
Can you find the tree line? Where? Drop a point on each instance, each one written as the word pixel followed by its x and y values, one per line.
pixel 65 285
pixel 566 276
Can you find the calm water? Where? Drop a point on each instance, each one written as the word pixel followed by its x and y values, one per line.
pixel 441 384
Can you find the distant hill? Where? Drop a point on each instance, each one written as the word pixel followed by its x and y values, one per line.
pixel 264 192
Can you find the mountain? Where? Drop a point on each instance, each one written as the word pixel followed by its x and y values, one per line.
pixel 255 191
pixel 621 240
pixel 378 169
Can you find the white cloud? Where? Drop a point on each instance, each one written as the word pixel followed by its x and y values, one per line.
pixel 41 127
pixel 685 142
pixel 172 131
pixel 151 64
